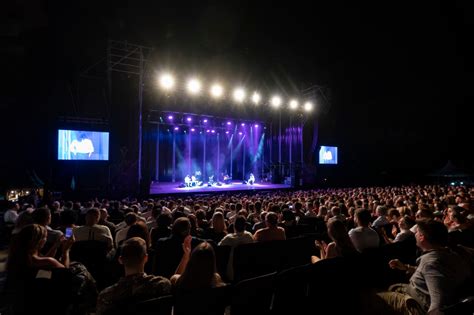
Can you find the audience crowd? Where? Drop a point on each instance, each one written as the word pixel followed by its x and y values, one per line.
pixel 168 245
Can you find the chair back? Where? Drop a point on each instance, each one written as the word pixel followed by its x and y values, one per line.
pixel 253 296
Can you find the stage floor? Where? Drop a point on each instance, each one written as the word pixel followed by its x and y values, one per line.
pixel 173 188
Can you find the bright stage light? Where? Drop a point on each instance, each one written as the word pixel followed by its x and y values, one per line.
pixel 293 104
pixel 192 129
pixel 229 123
pixel 239 95
pixel 308 106
pixel 240 133
pixel 208 131
pixel 217 91
pixel 204 121
pixel 227 132
pixel 256 126
pixel 176 128
pixel 242 124
pixel 170 117
pixel 256 98
pixel 276 101
pixel 189 119
pixel 167 81
pixel 194 86
pixel 213 131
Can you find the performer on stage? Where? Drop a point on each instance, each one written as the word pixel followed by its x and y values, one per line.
pixel 187 181
pixel 251 179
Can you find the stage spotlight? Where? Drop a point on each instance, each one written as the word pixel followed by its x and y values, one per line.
pixel 293 104
pixel 170 117
pixel 308 106
pixel 189 119
pixel 275 101
pixel 217 91
pixel 256 126
pixel 229 123
pixel 256 98
pixel 240 133
pixel 167 81
pixel 227 132
pixel 204 121
pixel 213 131
pixel 208 131
pixel 242 124
pixel 239 95
pixel 194 86
pixel 176 128
pixel 192 130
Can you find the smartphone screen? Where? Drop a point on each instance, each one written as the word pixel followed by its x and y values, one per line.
pixel 68 232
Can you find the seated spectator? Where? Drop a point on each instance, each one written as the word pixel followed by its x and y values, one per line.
pixel 25 218
pixel 261 224
pixel 341 245
pixel 288 222
pixel 198 269
pixel 24 258
pixel 11 215
pixel 104 220
pixel 272 232
pixel 218 228
pixel 92 231
pixel 381 220
pixel 136 285
pixel 169 250
pixel 435 281
pixel 42 216
pixel 241 236
pixel 421 215
pixel 162 229
pixel 130 219
pixel 139 229
pixel 405 224
pixel 363 236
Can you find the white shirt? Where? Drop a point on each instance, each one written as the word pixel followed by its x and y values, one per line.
pixel 10 216
pixel 364 237
pixel 233 240
pixel 93 233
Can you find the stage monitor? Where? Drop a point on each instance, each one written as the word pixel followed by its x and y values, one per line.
pixel 83 145
pixel 327 155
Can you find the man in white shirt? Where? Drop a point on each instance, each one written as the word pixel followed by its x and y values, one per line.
pixel 92 231
pixel 11 215
pixel 241 236
pixel 363 236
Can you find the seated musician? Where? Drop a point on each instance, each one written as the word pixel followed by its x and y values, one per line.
pixel 251 180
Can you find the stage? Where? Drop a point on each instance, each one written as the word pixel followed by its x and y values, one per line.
pixel 173 188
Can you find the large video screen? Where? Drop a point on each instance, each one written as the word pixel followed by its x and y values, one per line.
pixel 327 155
pixel 83 145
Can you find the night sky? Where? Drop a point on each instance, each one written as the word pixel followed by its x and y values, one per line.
pixel 400 74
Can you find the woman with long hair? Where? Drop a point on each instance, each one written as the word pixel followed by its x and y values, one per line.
pixel 197 269
pixel 341 245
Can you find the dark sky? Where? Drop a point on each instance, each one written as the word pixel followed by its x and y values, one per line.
pixel 400 74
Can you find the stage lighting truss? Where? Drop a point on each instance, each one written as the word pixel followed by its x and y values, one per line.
pixel 193 87
pixel 198 124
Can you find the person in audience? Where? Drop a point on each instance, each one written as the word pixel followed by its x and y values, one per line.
pixel 25 218
pixel 130 219
pixel 11 215
pixel 24 256
pixel 104 216
pixel 381 220
pixel 136 285
pixel 197 269
pixel 218 228
pixel 341 245
pixel 421 215
pixel 139 229
pixel 42 216
pixel 288 222
pixel 363 237
pixel 435 280
pixel 162 229
pixel 92 231
pixel 241 236
pixel 261 224
pixel 272 232
pixel 405 234
pixel 169 251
